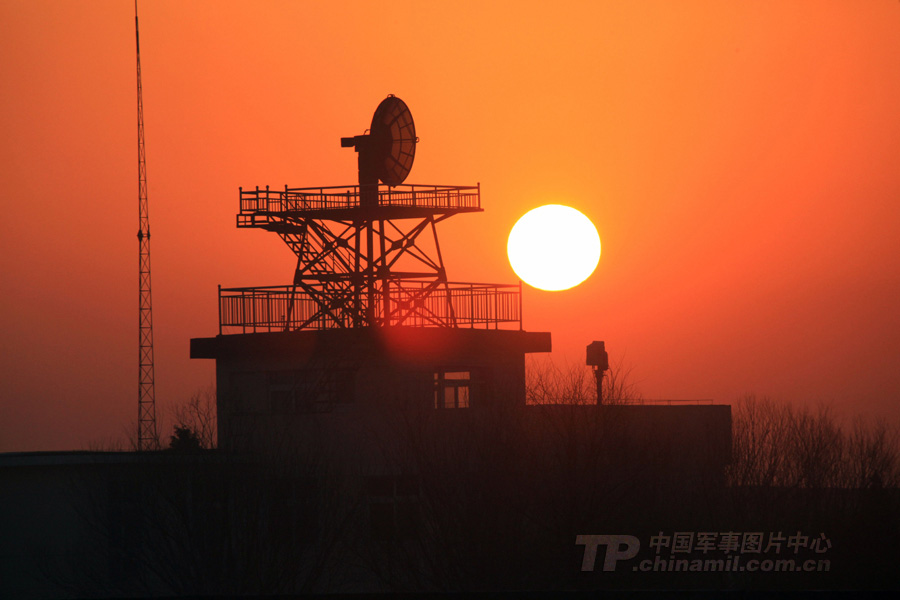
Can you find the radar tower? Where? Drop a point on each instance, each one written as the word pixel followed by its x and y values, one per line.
pixel 367 255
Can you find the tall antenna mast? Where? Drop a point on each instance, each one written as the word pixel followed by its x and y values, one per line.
pixel 148 438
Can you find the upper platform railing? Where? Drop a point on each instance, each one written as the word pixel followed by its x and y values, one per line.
pixel 259 204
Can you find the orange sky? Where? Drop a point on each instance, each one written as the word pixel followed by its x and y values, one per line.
pixel 740 161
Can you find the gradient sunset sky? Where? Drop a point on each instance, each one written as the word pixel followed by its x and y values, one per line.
pixel 741 161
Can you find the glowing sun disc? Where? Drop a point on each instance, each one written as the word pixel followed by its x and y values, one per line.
pixel 553 247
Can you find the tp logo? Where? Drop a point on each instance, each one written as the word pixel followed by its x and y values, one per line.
pixel 618 547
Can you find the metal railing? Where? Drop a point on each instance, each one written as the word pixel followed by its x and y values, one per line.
pixel 337 198
pixel 414 304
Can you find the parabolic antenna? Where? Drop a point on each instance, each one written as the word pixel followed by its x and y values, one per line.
pixel 386 153
pixel 393 140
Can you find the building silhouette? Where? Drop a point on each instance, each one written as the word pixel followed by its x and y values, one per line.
pixel 375 434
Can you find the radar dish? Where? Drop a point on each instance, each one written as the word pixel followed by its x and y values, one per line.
pixel 393 136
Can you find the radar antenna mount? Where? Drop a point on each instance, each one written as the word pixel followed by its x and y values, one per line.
pixel 386 153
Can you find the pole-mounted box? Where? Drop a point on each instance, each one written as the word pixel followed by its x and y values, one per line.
pixel 597 356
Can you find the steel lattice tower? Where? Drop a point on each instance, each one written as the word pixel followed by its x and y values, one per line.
pixel 148 438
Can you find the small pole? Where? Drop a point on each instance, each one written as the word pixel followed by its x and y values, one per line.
pixel 598 359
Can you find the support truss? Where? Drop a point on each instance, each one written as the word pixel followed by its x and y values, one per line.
pixel 355 271
pixel 367 256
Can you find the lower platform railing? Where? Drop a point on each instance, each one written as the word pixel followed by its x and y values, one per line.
pixel 405 303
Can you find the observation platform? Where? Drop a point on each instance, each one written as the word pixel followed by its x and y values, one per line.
pixel 405 303
pixel 274 209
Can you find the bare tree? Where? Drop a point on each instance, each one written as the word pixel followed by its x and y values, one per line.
pixel 780 445
pixel 547 382
pixel 198 415
pixel 872 455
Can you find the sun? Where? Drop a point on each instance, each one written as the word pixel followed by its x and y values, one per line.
pixel 553 247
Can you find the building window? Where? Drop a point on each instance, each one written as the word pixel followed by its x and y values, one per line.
pixel 452 389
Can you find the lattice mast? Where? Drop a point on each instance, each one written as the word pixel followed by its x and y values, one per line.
pixel 148 438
